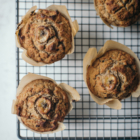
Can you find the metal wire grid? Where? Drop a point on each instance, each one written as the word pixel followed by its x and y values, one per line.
pixel 87 120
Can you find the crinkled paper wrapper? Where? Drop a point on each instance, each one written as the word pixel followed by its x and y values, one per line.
pixel 92 55
pixel 72 93
pixel 63 10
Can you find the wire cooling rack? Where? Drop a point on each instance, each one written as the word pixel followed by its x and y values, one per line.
pixel 87 120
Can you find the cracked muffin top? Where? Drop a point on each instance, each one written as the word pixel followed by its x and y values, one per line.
pixel 121 13
pixel 41 105
pixel 113 75
pixel 47 36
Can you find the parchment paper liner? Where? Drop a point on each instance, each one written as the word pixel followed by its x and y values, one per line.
pixel 92 55
pixel 71 92
pixel 63 10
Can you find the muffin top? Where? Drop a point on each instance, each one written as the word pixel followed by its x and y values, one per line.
pixel 118 12
pixel 113 75
pixel 47 36
pixel 41 105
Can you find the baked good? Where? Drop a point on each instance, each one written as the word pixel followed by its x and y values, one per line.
pixel 41 105
pixel 120 13
pixel 113 75
pixel 46 35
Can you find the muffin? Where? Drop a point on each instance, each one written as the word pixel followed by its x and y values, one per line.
pixel 113 75
pixel 42 105
pixel 46 35
pixel 121 13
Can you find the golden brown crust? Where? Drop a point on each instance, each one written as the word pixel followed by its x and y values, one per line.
pixel 121 13
pixel 40 125
pixel 114 75
pixel 42 102
pixel 47 36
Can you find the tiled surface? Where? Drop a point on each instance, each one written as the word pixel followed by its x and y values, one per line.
pixel 87 119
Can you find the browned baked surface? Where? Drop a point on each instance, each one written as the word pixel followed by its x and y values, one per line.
pixel 41 105
pixel 46 36
pixel 114 75
pixel 118 12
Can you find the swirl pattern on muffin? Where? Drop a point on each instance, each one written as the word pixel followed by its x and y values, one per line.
pixel 47 36
pixel 113 75
pixel 41 105
pixel 118 12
